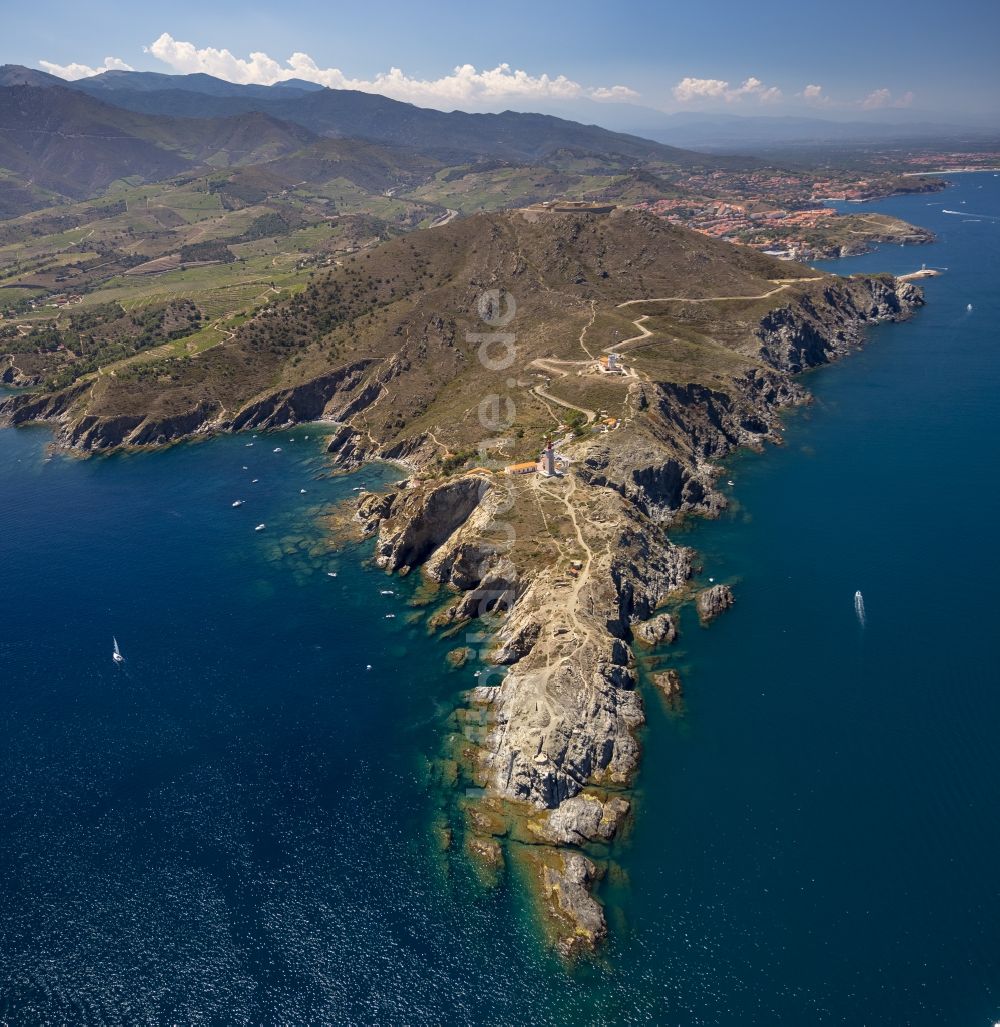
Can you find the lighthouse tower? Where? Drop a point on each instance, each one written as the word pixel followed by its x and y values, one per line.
pixel 547 461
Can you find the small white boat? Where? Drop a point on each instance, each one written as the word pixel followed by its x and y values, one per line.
pixel 968 306
pixel 390 616
pixel 478 672
pixel 730 482
pixel 248 445
pixel 302 492
pixel 116 655
pixel 368 666
pixel 253 481
pixel 859 607
pixel 277 449
pixel 307 437
pixel 260 527
pixel 238 502
pixel 387 592
pixel 331 574
pixel 245 468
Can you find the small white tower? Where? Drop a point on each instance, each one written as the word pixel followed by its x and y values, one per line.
pixel 547 461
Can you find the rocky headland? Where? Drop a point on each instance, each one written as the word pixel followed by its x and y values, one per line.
pixel 553 579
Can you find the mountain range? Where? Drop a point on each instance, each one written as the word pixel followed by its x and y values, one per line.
pixel 62 140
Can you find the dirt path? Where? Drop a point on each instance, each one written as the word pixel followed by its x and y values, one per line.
pixel 586 327
pixel 571 608
pixel 542 394
pixel 782 284
pixel 437 442
pixel 644 333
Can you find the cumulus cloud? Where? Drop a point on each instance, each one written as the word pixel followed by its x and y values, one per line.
pixel 466 84
pixel 72 72
pixel 878 98
pixel 690 90
pixel 814 95
pixel 613 93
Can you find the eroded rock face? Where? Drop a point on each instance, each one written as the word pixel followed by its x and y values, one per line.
pixel 807 334
pixel 567 882
pixel 306 402
pixel 349 448
pixel 53 406
pixel 669 683
pixel 658 630
pixel 713 601
pixel 14 376
pixel 585 818
pixel 422 517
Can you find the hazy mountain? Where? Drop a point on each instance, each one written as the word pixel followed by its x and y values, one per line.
pixel 61 141
pixel 110 82
pixel 741 133
pixel 454 135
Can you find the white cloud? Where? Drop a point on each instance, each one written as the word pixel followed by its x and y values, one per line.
pixel 814 95
pixel 464 85
pixel 613 93
pixel 74 71
pixel 879 98
pixel 690 90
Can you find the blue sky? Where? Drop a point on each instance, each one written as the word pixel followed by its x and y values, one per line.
pixel 845 60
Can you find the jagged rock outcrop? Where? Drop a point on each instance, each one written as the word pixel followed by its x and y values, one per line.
pixel 713 601
pixel 516 645
pixel 657 630
pixel 669 684
pixel 306 402
pixel 51 406
pixel 14 377
pixel 567 883
pixel 160 431
pixel 808 333
pixel 420 518
pixel 584 818
pixel 349 448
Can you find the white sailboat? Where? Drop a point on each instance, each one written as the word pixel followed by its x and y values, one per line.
pixel 117 654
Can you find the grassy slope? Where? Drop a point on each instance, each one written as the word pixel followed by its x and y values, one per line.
pixel 412 301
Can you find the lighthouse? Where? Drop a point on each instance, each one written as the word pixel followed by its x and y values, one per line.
pixel 547 461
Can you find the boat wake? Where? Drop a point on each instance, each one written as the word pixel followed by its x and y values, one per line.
pixel 859 607
pixel 966 214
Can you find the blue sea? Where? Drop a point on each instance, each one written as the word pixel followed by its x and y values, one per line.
pixel 243 823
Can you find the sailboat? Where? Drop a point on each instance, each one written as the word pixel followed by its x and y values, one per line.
pixel 117 654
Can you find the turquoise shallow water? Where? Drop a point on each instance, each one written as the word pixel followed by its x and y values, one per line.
pixel 235 826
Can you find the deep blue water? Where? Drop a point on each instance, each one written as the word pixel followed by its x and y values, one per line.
pixel 238 825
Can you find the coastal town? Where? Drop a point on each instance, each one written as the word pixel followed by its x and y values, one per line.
pixel 788 214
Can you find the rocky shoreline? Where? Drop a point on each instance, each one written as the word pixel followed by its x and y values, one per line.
pixel 552 744
pixel 548 740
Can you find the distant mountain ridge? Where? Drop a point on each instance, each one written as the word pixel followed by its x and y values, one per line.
pixel 72 140
pixel 453 135
pixel 65 142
